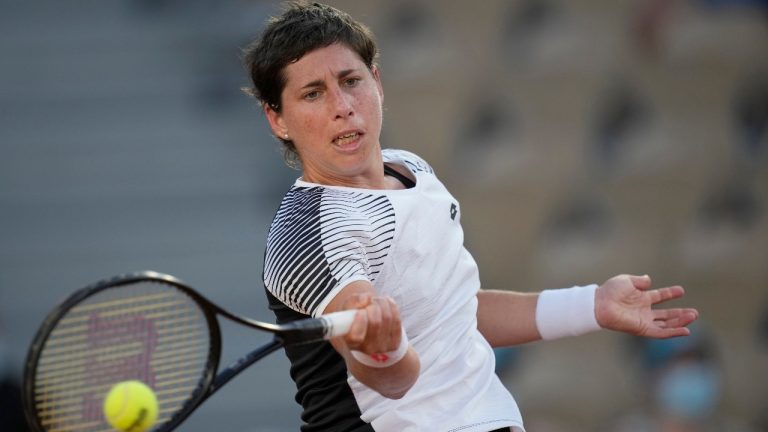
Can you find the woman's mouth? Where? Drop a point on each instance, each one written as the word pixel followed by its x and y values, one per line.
pixel 346 139
pixel 348 142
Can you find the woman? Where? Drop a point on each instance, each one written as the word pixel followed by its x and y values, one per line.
pixel 375 230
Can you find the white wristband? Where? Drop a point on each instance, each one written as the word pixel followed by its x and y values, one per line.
pixel 382 360
pixel 566 312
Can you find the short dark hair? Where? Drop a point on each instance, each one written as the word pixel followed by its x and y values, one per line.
pixel 302 28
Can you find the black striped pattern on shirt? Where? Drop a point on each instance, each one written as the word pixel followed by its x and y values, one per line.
pixel 321 237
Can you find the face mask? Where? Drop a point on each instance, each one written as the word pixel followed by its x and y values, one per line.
pixel 688 391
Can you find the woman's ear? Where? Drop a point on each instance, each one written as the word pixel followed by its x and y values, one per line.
pixel 377 77
pixel 275 120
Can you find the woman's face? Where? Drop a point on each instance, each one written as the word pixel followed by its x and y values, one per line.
pixel 332 111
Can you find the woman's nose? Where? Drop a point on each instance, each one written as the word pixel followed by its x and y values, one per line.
pixel 341 103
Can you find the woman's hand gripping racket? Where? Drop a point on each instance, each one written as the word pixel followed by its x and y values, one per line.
pixel 142 326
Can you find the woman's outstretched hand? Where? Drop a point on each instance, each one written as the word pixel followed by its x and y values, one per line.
pixel 624 303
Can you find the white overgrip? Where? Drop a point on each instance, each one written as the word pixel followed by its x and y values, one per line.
pixel 338 323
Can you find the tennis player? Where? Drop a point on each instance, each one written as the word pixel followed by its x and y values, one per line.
pixel 375 230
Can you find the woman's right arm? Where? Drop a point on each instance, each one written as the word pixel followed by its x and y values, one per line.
pixel 376 329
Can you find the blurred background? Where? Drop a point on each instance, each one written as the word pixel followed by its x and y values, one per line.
pixel 583 138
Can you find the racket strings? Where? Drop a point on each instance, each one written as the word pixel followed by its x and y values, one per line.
pixel 148 331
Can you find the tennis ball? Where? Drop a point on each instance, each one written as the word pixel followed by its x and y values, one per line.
pixel 130 406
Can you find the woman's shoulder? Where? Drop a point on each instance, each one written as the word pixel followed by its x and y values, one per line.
pixel 303 206
pixel 404 157
pixel 296 205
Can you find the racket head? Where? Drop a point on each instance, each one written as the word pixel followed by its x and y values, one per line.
pixel 146 326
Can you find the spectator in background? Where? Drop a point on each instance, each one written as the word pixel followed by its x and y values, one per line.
pixel 685 385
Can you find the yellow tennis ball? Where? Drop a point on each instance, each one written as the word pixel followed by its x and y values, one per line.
pixel 131 406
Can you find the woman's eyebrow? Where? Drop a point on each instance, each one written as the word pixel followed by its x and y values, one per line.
pixel 319 82
pixel 346 72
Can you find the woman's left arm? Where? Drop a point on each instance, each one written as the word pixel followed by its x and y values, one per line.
pixel 623 303
pixel 507 318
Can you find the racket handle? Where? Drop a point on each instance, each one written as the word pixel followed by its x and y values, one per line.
pixel 338 323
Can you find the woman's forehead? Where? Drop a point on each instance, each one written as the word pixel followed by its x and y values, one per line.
pixel 323 62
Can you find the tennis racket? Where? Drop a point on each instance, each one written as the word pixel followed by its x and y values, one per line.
pixel 145 326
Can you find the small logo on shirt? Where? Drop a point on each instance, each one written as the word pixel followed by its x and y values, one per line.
pixel 454 211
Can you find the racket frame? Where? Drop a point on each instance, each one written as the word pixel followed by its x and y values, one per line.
pixel 210 381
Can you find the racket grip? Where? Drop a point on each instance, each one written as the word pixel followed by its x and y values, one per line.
pixel 338 323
